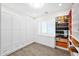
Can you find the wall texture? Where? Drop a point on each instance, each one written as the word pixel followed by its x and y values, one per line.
pixel 15 31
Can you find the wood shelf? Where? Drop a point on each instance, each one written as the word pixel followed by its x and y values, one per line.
pixel 73 49
pixel 75 42
pixel 62 44
pixel 76 38
pixel 62 22
pixel 62 26
pixel 61 40
pixel 77 48
pixel 64 41
pixel 59 30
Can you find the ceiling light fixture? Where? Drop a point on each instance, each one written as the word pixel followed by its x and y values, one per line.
pixel 59 4
pixel 37 5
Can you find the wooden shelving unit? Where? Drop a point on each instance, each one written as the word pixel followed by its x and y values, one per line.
pixel 62 31
pixel 64 37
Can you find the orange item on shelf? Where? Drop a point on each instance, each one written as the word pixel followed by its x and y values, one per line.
pixel 61 44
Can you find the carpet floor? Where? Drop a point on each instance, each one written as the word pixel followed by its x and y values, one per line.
pixel 36 49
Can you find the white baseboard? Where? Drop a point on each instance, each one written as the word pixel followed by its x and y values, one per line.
pixel 11 51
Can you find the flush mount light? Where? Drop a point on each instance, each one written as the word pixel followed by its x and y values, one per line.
pixel 37 5
pixel 59 4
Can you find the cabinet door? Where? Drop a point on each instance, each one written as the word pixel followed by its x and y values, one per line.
pixel 6 33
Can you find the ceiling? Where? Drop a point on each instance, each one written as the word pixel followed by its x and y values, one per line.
pixel 26 9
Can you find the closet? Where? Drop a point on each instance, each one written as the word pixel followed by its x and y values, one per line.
pixel 62 31
pixel 67 31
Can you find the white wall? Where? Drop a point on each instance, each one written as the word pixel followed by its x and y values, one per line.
pixel 45 39
pixel 15 31
pixel 18 31
pixel 0 28
pixel 75 21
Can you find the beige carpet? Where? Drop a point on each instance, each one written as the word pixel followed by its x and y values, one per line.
pixel 36 49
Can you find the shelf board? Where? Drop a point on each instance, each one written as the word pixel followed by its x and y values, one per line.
pixel 77 48
pixel 61 26
pixel 61 41
pixel 62 37
pixel 61 34
pixel 62 48
pixel 75 38
pixel 61 30
pixel 62 22
pixel 64 41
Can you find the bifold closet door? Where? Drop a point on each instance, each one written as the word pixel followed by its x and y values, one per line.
pixel 6 32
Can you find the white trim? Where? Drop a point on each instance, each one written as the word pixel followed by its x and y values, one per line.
pixel 5 54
